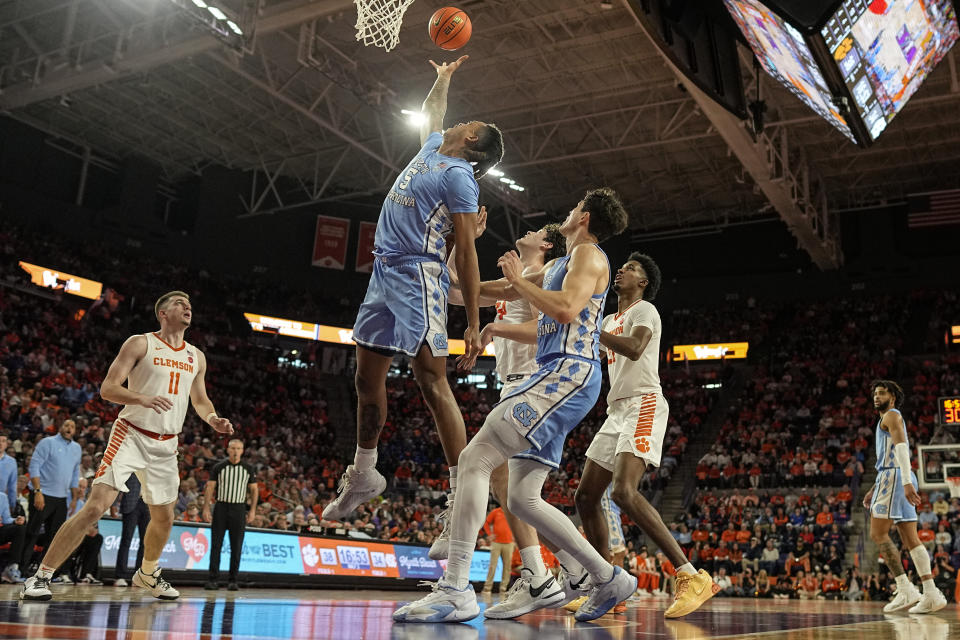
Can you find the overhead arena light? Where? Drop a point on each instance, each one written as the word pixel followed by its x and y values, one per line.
pixel 416 118
pixel 496 173
pixel 232 21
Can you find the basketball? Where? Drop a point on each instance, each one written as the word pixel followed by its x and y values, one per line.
pixel 450 28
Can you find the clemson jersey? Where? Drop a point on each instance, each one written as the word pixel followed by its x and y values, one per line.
pixel 164 371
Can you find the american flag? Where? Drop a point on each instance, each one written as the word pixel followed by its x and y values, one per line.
pixel 933 209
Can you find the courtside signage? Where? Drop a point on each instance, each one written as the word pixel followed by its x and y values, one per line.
pixel 718 351
pixel 60 281
pixel 325 333
pixel 188 548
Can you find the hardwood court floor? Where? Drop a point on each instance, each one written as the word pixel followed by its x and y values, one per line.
pixel 109 613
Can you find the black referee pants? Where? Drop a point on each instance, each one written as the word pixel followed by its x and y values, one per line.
pixel 230 517
pixel 53 515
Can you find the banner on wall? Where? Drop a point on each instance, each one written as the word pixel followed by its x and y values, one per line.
pixel 719 351
pixel 60 281
pixel 325 333
pixel 365 244
pixel 188 548
pixel 330 242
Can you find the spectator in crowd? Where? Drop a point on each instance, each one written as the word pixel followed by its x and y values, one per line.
pixel 500 549
pixel 8 474
pixel 13 531
pixel 54 474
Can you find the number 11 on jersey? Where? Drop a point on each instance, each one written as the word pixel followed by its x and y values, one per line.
pixel 174 382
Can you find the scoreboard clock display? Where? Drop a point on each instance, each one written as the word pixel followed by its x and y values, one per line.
pixel 950 410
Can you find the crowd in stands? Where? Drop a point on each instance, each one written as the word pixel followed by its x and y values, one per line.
pixel 803 419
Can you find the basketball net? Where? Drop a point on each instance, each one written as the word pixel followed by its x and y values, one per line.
pixel 954 484
pixel 378 21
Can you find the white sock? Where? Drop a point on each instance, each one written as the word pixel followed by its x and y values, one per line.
pixel 365 459
pixel 902 581
pixel 453 479
pixel 458 565
pixel 921 560
pixel 43 571
pixel 533 560
pixel 928 586
pixel 569 563
pixel 686 568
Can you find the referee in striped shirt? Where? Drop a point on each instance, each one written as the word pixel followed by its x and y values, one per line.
pixel 234 484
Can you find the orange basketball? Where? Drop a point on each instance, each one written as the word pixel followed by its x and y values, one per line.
pixel 450 28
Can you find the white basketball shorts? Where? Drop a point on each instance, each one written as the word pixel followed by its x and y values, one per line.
pixel 637 425
pixel 153 459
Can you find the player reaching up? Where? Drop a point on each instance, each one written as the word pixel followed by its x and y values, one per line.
pixel 405 308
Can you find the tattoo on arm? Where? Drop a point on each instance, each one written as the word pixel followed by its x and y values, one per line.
pixel 891 556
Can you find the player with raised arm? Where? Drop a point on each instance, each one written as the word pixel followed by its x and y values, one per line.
pixel 632 435
pixel 405 308
pixel 894 499
pixel 529 426
pixel 164 374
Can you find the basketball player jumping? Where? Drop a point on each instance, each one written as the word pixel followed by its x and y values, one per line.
pixel 894 499
pixel 632 435
pixel 405 308
pixel 164 374
pixel 570 293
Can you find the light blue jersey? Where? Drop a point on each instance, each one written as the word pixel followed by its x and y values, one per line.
pixel 885 459
pixel 581 337
pixel 557 397
pixel 405 306
pixel 418 211
pixel 889 500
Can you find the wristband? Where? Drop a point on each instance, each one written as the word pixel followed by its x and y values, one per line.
pixel 210 416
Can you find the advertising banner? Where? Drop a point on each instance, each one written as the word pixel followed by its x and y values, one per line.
pixel 60 281
pixel 285 553
pixel 326 333
pixel 718 351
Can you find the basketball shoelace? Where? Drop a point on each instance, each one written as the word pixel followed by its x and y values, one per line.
pixel 158 581
pixel 683 581
pixel 344 485
pixel 41 583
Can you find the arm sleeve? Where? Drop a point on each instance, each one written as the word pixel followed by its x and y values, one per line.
pixel 39 458
pixel 460 191
pixel 216 469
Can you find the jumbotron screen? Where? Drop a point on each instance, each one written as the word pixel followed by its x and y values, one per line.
pixel 785 55
pixel 885 49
